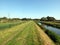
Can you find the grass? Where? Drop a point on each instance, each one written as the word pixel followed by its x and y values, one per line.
pixel 9 25
pixel 52 35
pixel 5 34
pixel 27 33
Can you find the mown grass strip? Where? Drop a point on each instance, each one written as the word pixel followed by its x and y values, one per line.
pixel 19 35
pixel 26 34
pixel 12 32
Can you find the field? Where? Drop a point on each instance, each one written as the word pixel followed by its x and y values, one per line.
pixel 9 24
pixel 25 33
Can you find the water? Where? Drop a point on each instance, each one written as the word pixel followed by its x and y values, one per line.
pixel 56 30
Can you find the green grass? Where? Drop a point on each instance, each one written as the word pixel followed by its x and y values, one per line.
pixel 9 25
pixel 5 34
pixel 27 33
pixel 52 35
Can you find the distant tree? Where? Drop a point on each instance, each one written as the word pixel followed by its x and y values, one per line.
pixel 15 19
pixel 43 19
pixel 47 18
pixel 24 19
pixel 50 18
pixel 4 18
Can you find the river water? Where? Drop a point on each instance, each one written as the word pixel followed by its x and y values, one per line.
pixel 56 30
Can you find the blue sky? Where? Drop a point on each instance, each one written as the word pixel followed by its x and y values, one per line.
pixel 30 8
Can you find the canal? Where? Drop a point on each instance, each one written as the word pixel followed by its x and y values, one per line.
pixel 56 30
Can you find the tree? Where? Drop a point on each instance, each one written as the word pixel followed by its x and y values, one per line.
pixel 50 18
pixel 47 18
pixel 24 19
pixel 4 18
pixel 16 19
pixel 43 19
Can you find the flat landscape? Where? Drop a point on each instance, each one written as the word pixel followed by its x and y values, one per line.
pixel 27 33
pixel 29 22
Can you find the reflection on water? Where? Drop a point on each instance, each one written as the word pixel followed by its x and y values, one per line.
pixel 56 30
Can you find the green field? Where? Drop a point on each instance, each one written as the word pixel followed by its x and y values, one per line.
pixel 27 33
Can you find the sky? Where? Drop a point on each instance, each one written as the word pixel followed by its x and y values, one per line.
pixel 30 8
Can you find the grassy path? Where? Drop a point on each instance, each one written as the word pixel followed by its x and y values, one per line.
pixel 25 34
pixel 46 40
pixel 8 34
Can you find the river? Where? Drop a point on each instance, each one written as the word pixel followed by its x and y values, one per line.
pixel 56 30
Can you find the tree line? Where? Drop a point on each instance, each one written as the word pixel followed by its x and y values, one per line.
pixel 48 18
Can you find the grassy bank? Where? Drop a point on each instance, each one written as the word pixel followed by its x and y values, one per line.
pixel 54 24
pixel 52 35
